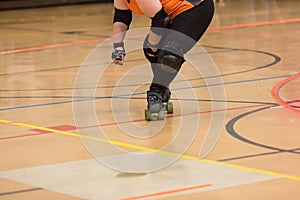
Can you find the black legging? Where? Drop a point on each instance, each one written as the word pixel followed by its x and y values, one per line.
pixel 192 23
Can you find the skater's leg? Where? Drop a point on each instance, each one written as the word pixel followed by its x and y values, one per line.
pixel 185 31
pixel 167 61
pixel 194 22
pixel 161 76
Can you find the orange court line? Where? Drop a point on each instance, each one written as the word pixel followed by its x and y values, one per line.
pixel 35 48
pixel 252 24
pixel 168 192
pixel 57 73
pixel 276 96
pixel 51 46
pixel 233 26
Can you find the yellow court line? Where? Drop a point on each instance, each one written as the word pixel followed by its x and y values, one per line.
pixel 122 144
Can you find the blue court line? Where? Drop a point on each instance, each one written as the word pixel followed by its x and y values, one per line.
pixel 134 94
pixel 234 82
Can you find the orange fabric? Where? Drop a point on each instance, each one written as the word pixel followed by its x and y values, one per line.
pixel 133 6
pixel 172 7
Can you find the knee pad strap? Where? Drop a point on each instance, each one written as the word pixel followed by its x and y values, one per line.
pixel 149 54
pixel 160 20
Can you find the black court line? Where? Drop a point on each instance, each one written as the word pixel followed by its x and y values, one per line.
pixel 260 154
pixel 135 98
pixel 84 33
pixel 128 95
pixel 28 29
pixel 77 66
pixel 39 70
pixel 277 59
pixel 231 131
pixel 20 191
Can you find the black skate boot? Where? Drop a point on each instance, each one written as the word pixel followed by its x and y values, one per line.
pixel 158 103
pixel 166 95
pixel 155 109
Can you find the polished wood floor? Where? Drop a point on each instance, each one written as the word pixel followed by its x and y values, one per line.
pixel 73 127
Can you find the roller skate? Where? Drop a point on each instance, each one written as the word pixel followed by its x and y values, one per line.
pixel 158 104
pixel 166 95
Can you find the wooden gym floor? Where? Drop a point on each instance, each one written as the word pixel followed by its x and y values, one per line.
pixel 253 45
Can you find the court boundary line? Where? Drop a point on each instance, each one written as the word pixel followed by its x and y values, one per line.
pixel 230 127
pixel 218 28
pixel 276 96
pixel 141 93
pixel 21 191
pixel 168 192
pixel 123 122
pixel 137 147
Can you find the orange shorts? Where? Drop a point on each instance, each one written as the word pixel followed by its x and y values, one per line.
pixel 172 7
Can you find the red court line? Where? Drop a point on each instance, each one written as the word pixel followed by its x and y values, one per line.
pixel 132 121
pixel 168 192
pixel 251 24
pixel 21 136
pixel 60 128
pixel 172 116
pixel 275 93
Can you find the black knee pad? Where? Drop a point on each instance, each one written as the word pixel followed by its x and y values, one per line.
pixel 124 16
pixel 170 62
pixel 171 57
pixel 160 20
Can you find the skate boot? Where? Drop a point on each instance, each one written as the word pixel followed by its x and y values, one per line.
pixel 166 95
pixel 155 107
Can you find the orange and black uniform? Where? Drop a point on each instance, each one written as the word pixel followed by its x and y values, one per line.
pixel 172 7
pixel 188 17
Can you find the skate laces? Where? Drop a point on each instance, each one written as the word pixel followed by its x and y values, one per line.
pixel 154 97
pixel 163 93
